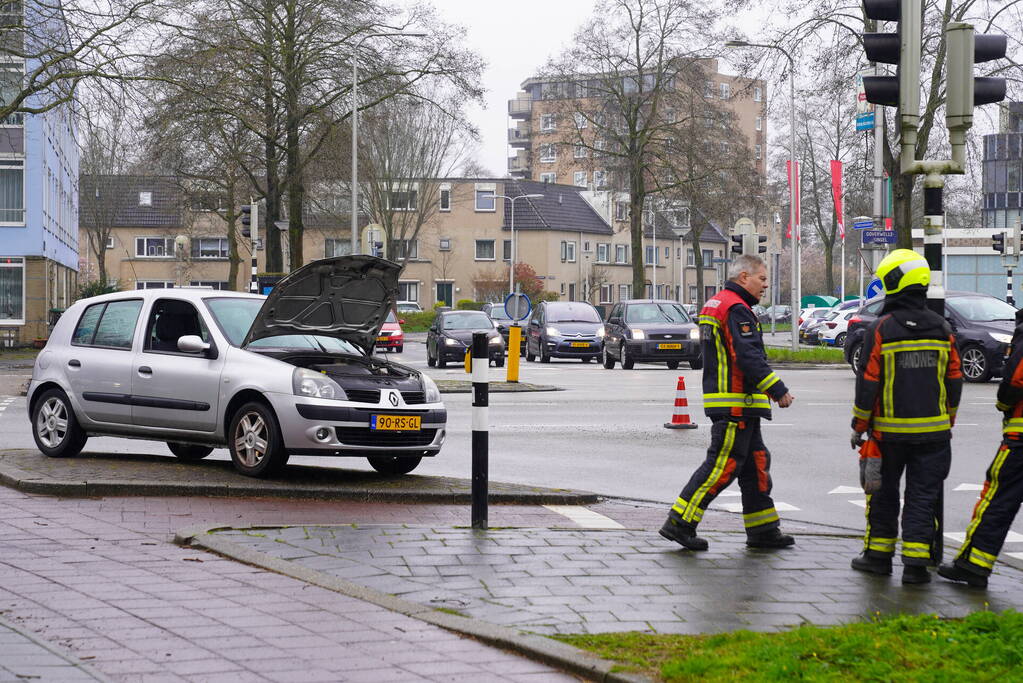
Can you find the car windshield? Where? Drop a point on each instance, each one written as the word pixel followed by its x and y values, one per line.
pixel 981 309
pixel 498 313
pixel 572 313
pixel 468 320
pixel 655 313
pixel 832 315
pixel 820 312
pixel 235 317
pixel 390 317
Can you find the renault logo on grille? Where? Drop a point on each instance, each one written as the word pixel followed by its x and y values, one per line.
pixel 393 398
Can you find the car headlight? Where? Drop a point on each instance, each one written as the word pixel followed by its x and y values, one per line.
pixel 601 332
pixel 999 337
pixel 448 341
pixel 305 382
pixel 694 333
pixel 553 332
pixel 496 340
pixel 430 389
pixel 638 334
pixel 384 333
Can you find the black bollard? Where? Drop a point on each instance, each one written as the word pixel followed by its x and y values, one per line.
pixel 480 427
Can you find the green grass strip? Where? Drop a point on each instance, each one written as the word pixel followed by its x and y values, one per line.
pixel 983 646
pixel 810 355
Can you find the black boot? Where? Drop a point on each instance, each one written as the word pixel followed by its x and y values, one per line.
pixel 954 572
pixel 684 534
pixel 772 538
pixel 872 563
pixel 915 573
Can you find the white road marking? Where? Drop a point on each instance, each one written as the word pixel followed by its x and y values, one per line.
pixel 969 487
pixel 585 517
pixel 776 424
pixel 960 536
pixel 737 507
pixel 846 489
pixel 862 503
pixel 1018 556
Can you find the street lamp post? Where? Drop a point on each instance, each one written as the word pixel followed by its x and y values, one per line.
pixel 355 128
pixel 511 261
pixel 792 182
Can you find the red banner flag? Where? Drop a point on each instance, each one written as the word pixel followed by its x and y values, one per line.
pixel 788 174
pixel 836 195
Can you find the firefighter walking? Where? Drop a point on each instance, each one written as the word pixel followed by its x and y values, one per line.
pixel 738 386
pixel 908 386
pixel 1003 486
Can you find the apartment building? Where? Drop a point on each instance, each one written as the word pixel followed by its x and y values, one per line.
pixel 38 209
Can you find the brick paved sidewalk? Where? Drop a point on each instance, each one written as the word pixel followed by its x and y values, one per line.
pixel 25 657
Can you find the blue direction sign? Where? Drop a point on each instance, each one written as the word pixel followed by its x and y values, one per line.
pixel 874 288
pixel 878 236
pixel 865 121
pixel 863 225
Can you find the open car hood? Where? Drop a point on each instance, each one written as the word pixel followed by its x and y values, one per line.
pixel 346 297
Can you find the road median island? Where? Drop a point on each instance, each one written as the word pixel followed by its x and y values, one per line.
pixel 464 386
pixel 93 474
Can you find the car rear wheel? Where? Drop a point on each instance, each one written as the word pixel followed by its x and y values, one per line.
pixel 400 348
pixel 499 362
pixel 840 340
pixel 188 452
pixel 854 357
pixel 975 365
pixel 607 358
pixel 54 426
pixel 673 365
pixel 386 464
pixel 545 357
pixel 627 363
pixel 441 362
pixel 254 440
pixel 430 360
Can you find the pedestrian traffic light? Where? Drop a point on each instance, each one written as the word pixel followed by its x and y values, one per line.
pixel 250 213
pixel 901 48
pixel 966 48
pixel 998 242
pixel 755 244
pixel 737 243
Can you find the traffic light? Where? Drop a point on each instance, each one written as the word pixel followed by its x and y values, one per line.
pixel 250 215
pixel 738 242
pixel 965 48
pixel 901 48
pixel 998 242
pixel 1012 243
pixel 753 244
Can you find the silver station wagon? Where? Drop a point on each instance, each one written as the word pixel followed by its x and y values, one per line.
pixel 267 377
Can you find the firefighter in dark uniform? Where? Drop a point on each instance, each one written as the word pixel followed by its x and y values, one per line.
pixel 738 387
pixel 1003 486
pixel 908 386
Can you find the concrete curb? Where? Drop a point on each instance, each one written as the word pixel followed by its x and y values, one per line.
pixel 56 652
pixel 536 647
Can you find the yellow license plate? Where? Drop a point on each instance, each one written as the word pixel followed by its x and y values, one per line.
pixel 383 339
pixel 580 345
pixel 666 347
pixel 395 422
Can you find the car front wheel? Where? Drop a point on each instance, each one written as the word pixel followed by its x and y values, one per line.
pixel 254 440
pixel 54 426
pixel 696 364
pixel 975 365
pixel 840 340
pixel 385 464
pixel 627 363
pixel 607 358
pixel 188 452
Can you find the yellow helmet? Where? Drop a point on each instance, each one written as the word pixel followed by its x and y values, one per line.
pixel 902 268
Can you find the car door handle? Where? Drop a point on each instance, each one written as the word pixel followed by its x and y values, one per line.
pixel 74 363
pixel 145 370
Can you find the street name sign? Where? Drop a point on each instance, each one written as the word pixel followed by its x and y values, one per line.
pixel 879 236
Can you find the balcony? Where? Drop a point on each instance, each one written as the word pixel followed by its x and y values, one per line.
pixel 520 108
pixel 520 136
pixel 519 163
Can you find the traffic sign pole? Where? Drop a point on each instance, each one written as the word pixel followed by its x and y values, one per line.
pixel 517 307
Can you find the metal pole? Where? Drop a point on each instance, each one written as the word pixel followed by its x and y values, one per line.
pixel 480 429
pixel 254 234
pixel 934 221
pixel 792 201
pixel 681 269
pixel 511 265
pixel 355 147
pixel 653 233
pixel 1008 287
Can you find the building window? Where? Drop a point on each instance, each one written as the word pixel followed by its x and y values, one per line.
pixel 568 252
pixel 580 120
pixel 621 253
pixel 690 257
pixel 209 247
pixel 548 177
pixel 692 294
pixel 110 242
pixel 622 211
pixel 445 199
pixel 649 255
pixel 402 200
pixel 484 250
pixel 725 91
pixel 756 152
pixel 708 89
pixel 408 291
pixel 606 292
pixel 603 253
pixel 145 198
pixel 485 200
pixel 760 123
pixel 708 258
pixel 12 192
pixel 147 247
pixel 599 179
pixel 212 284
pixel 579 178
pixel 624 292
pixel 406 249
pixel 444 244
pixel 667 253
pixel 336 247
pixel 12 290
pixel 548 122
pixel 758 94
pixel 506 250
pixel 548 153
pixel 579 151
pixel 154 284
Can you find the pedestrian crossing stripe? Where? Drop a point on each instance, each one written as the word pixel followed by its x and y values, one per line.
pixel 1017 556
pixel 737 507
pixel 846 489
pixel 969 487
pixel 960 536
pixel 584 517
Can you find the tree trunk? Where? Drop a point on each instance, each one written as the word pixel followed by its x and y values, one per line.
pixel 637 197
pixel 902 189
pixel 233 259
pixel 272 238
pixel 698 260
pixel 829 267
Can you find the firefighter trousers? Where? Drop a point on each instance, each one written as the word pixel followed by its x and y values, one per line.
pixel 995 510
pixel 736 450
pixel 926 464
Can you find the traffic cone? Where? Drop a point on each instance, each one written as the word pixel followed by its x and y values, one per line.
pixel 680 417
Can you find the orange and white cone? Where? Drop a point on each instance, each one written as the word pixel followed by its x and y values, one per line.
pixel 680 417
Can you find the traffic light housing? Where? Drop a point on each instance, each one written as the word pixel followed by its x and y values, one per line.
pixel 250 213
pixel 998 242
pixel 901 48
pixel 966 48
pixel 754 244
pixel 738 242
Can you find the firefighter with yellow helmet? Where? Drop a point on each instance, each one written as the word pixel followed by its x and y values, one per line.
pixel 908 386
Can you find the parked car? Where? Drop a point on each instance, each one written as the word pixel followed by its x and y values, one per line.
pixel 808 317
pixel 691 310
pixel 503 322
pixel 564 329
pixel 391 337
pixel 779 313
pixel 832 331
pixel 982 325
pixel 651 331
pixel 408 307
pixel 450 336
pixel 266 377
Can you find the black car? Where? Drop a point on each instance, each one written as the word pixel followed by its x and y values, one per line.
pixel 503 322
pixel 982 324
pixel 564 329
pixel 450 336
pixel 651 331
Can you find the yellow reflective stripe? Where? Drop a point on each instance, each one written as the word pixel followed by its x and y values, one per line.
pixel 889 382
pixel 986 496
pixel 1001 406
pixel 881 545
pixel 768 382
pixel 912 549
pixel 942 367
pixel 719 345
pixel 709 320
pixel 719 465
pixel 912 425
pixel 861 413
pixel 915 345
pixel 1013 424
pixel 866 514
pixel 760 518
pixel 733 400
pixel 680 507
pixel 986 560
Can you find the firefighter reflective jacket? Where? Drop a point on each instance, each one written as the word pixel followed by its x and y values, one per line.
pixel 909 380
pixel 736 377
pixel 1010 389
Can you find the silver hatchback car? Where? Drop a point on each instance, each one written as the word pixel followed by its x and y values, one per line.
pixel 267 377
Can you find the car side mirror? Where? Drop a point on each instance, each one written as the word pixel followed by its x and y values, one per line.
pixel 192 343
pixel 615 321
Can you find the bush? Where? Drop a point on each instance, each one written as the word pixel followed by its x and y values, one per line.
pixel 417 322
pixel 95 288
pixel 439 305
pixel 469 305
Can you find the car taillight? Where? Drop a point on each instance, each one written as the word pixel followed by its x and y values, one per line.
pixel 831 326
pixel 800 321
pixel 855 320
